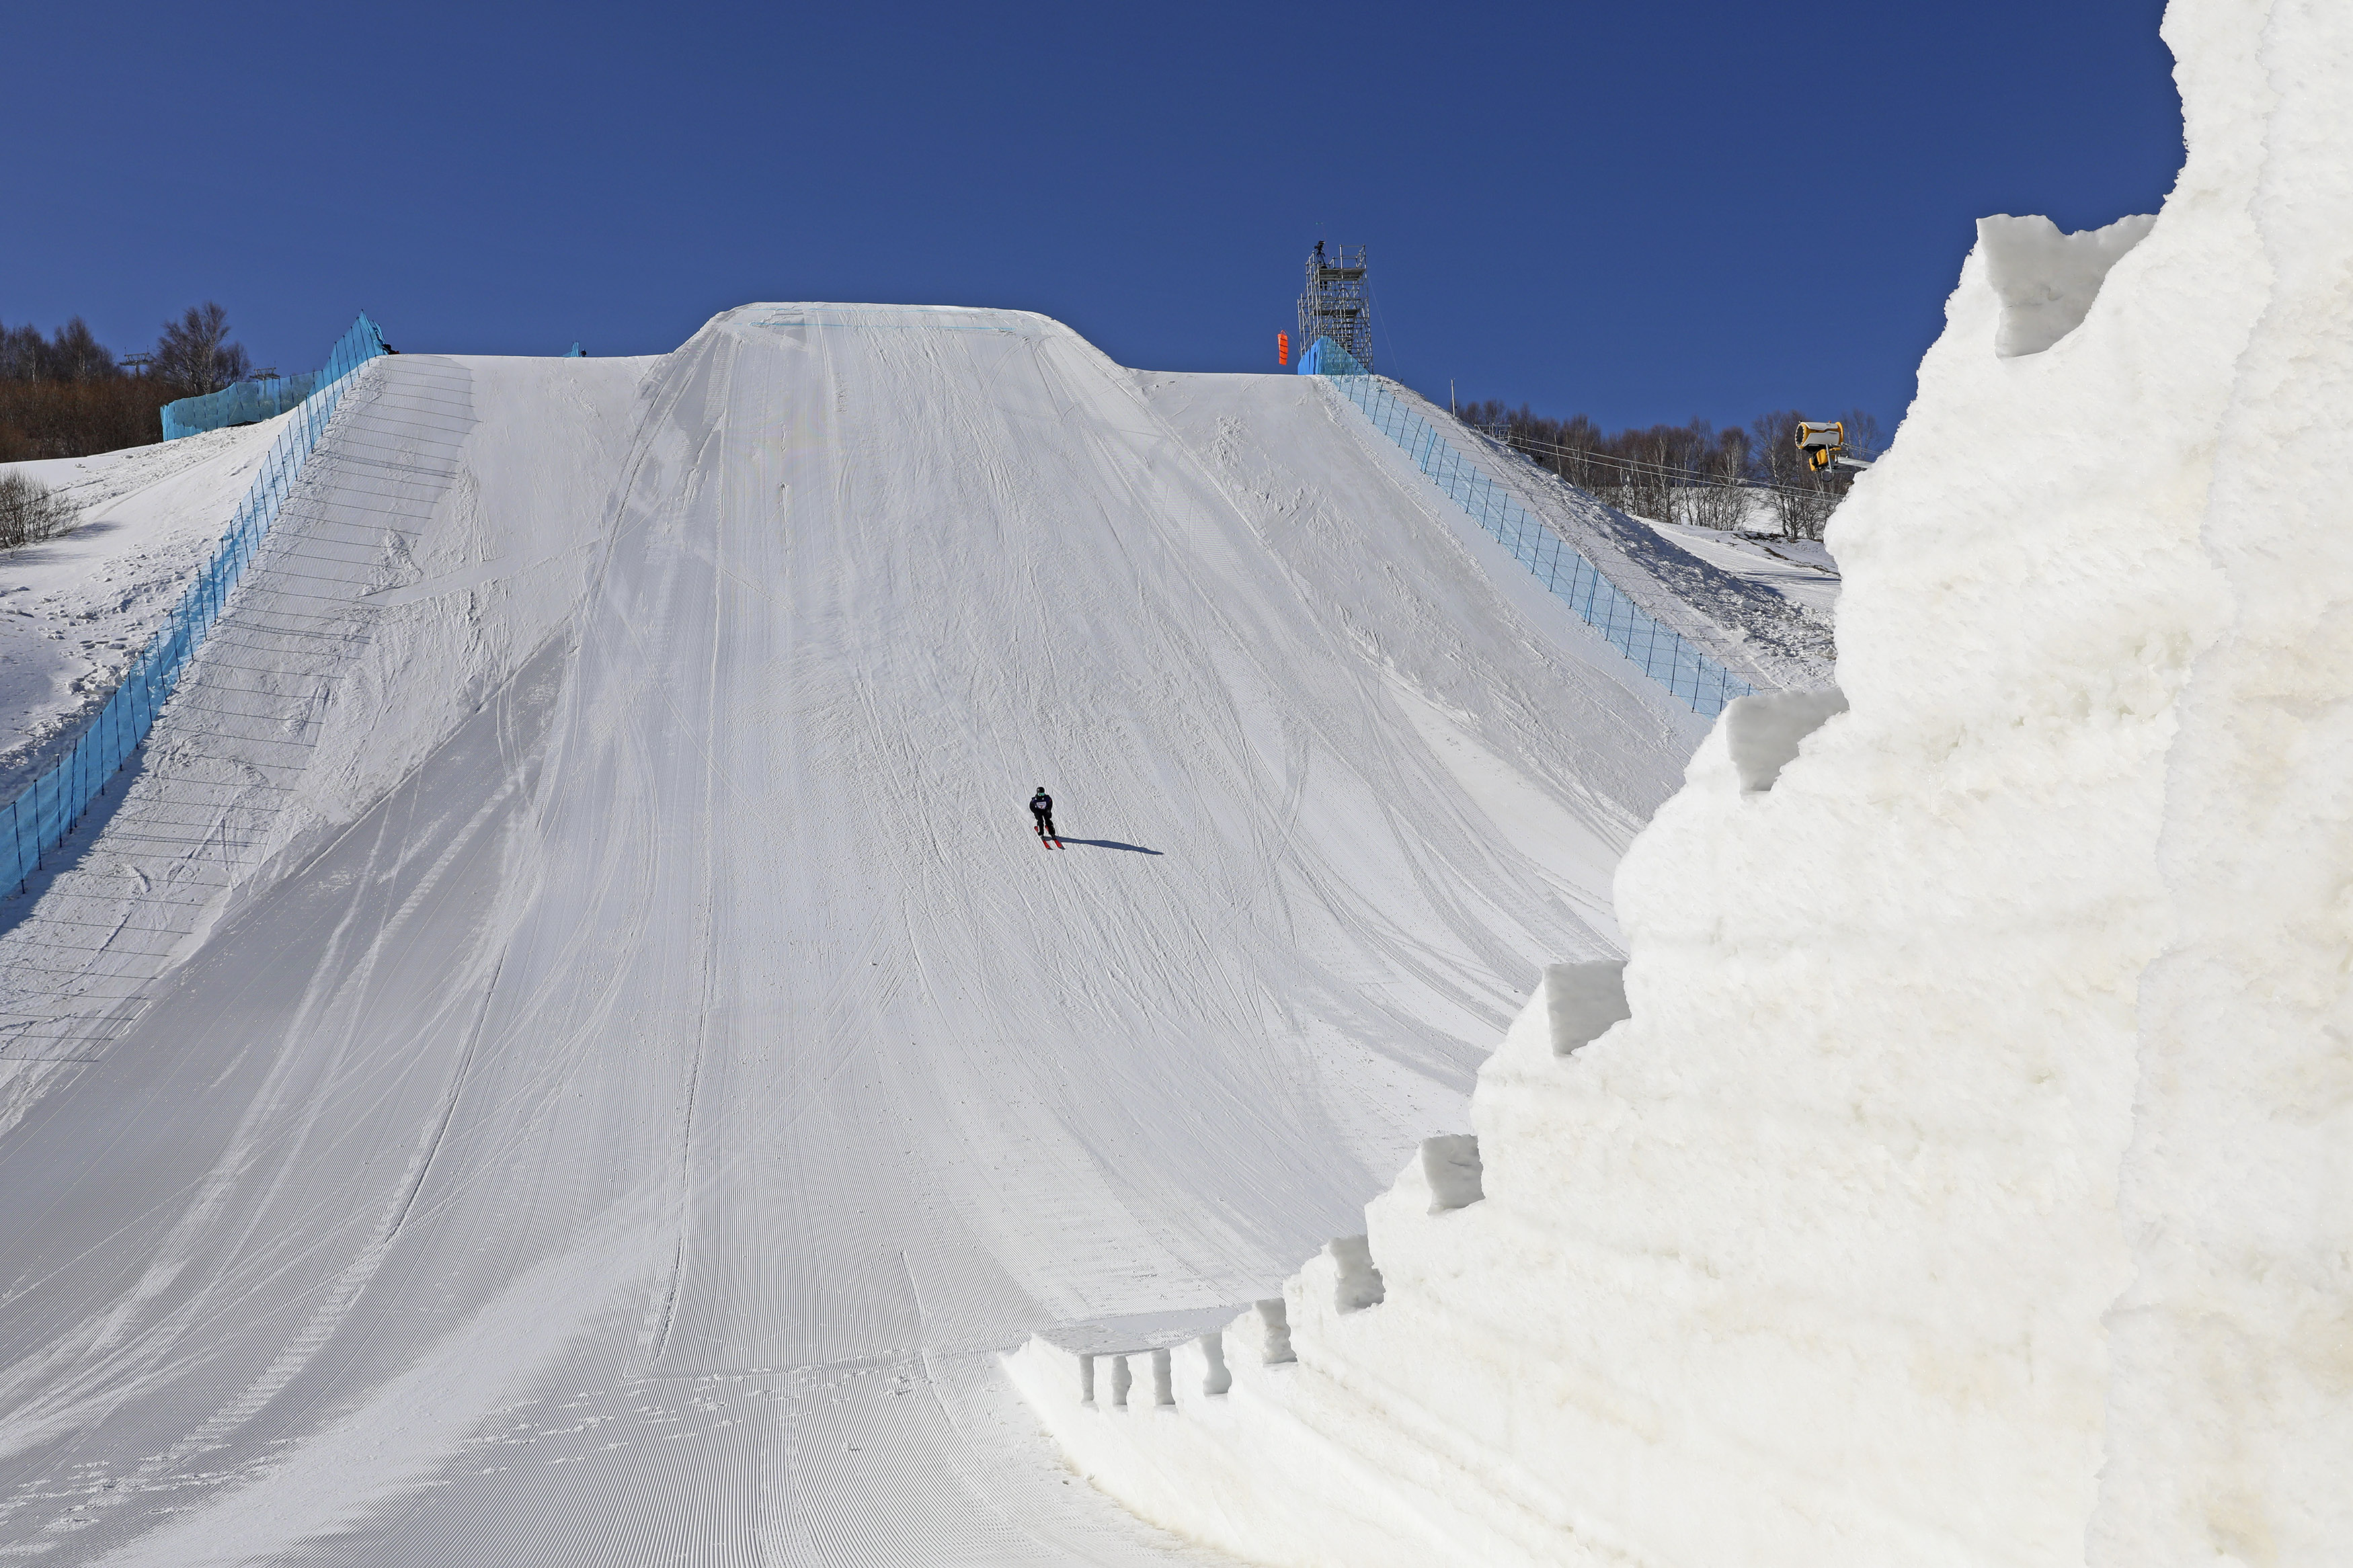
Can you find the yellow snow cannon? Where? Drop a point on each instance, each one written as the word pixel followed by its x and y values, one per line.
pixel 1820 443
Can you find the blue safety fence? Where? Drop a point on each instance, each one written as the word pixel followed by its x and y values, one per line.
pixel 1661 652
pixel 247 403
pixel 38 820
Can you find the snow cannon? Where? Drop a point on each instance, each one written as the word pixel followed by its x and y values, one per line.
pixel 1823 446
pixel 1820 443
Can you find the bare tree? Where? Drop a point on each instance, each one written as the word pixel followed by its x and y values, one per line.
pixel 1690 473
pixel 29 511
pixel 194 355
pixel 66 396
pixel 1723 501
pixel 1802 500
pixel 1643 489
pixel 1863 437
pixel 76 355
pixel 73 353
pixel 23 354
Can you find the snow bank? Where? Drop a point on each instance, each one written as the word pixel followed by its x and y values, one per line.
pixel 1968 1182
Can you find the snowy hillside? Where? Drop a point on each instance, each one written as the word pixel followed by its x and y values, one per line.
pixel 1955 1170
pixel 563 1048
pixel 73 608
pixel 1721 594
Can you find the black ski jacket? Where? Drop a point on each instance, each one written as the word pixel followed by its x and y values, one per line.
pixel 1041 805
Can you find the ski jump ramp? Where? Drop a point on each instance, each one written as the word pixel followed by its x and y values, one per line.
pixel 563 1048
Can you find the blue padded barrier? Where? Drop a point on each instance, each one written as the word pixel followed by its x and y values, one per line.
pixel 1661 652
pixel 39 819
pixel 247 403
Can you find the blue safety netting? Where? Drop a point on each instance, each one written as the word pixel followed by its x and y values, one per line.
pixel 1324 357
pixel 39 819
pixel 1661 652
pixel 247 403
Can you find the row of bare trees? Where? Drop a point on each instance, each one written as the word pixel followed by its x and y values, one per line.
pixel 1694 474
pixel 67 395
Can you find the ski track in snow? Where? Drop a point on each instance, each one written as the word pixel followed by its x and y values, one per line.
pixel 563 1048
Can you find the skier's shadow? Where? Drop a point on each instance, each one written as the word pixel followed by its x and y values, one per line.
pixel 1112 844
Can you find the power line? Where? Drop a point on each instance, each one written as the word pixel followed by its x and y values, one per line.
pixel 1502 435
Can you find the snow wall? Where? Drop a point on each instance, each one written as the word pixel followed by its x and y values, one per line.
pixel 1968 1183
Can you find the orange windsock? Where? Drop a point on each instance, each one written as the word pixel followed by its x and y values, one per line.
pixel 1283 348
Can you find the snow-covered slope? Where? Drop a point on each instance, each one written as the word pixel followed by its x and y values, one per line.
pixel 565 1050
pixel 74 608
pixel 1800 570
pixel 1957 1172
pixel 1748 620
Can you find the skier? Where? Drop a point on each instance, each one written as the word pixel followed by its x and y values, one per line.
pixel 1041 808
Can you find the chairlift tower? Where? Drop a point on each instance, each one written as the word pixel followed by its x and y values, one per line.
pixel 1335 305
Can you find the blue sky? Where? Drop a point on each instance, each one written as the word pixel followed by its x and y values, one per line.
pixel 1641 211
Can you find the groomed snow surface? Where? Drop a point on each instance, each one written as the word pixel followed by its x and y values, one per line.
pixel 1957 1171
pixel 563 1047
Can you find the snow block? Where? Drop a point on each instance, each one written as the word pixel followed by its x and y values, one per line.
pixel 1059 1376
pixel 1265 1329
pixel 1763 732
pixel 1583 1001
pixel 1450 1165
pixel 1358 1284
pixel 1215 1378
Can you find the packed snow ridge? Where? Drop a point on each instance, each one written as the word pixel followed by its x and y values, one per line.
pixel 1955 1170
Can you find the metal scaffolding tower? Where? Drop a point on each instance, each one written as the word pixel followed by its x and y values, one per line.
pixel 1336 304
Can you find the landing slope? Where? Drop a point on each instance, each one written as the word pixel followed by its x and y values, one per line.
pixel 634 1063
